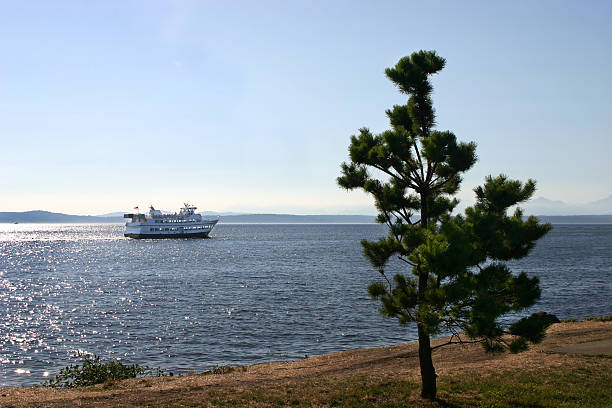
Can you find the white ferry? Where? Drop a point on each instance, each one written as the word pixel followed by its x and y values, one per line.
pixel 185 224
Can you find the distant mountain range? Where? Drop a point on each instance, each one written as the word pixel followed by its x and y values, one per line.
pixel 557 212
pixel 544 206
pixel 296 219
pixel 46 216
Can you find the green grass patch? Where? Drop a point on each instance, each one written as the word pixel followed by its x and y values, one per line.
pixel 581 384
pixel 574 386
pixel 362 392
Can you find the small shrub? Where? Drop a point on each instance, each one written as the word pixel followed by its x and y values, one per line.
pixel 223 369
pixel 601 318
pixel 94 371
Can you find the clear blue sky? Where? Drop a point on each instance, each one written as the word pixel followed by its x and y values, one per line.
pixel 249 106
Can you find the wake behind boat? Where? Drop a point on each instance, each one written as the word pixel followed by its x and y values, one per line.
pixel 185 224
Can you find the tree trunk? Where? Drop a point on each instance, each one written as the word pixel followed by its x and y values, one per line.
pixel 428 372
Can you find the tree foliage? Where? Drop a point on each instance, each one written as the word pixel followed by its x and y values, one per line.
pixel 455 279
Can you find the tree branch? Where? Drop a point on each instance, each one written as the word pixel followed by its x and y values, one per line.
pixel 382 272
pixel 397 176
pixel 416 149
pixel 436 183
pixel 431 170
pixel 406 261
pixel 460 341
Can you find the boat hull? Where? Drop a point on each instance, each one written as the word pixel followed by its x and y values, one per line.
pixel 167 236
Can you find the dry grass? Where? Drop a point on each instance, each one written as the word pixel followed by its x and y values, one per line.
pixel 386 377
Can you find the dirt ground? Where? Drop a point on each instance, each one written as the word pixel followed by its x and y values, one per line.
pixel 388 362
pixel 592 348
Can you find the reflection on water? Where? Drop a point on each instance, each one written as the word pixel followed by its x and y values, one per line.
pixel 251 293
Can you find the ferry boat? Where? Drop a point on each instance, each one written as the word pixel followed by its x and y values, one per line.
pixel 185 224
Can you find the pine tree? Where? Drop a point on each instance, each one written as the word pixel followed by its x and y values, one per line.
pixel 456 280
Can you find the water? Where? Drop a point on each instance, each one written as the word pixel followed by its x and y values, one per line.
pixel 251 293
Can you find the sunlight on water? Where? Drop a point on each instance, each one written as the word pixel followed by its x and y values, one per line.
pixel 53 232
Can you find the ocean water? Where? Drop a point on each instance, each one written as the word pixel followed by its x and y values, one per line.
pixel 250 294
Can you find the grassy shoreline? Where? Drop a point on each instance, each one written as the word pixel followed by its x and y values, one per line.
pixel 385 377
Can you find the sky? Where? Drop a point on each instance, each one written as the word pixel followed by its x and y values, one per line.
pixel 248 106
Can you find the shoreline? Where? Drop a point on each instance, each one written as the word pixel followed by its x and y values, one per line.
pixel 329 371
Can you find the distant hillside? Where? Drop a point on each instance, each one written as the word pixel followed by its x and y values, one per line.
pixel 577 219
pixel 290 219
pixel 543 205
pixel 46 216
pixel 116 214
